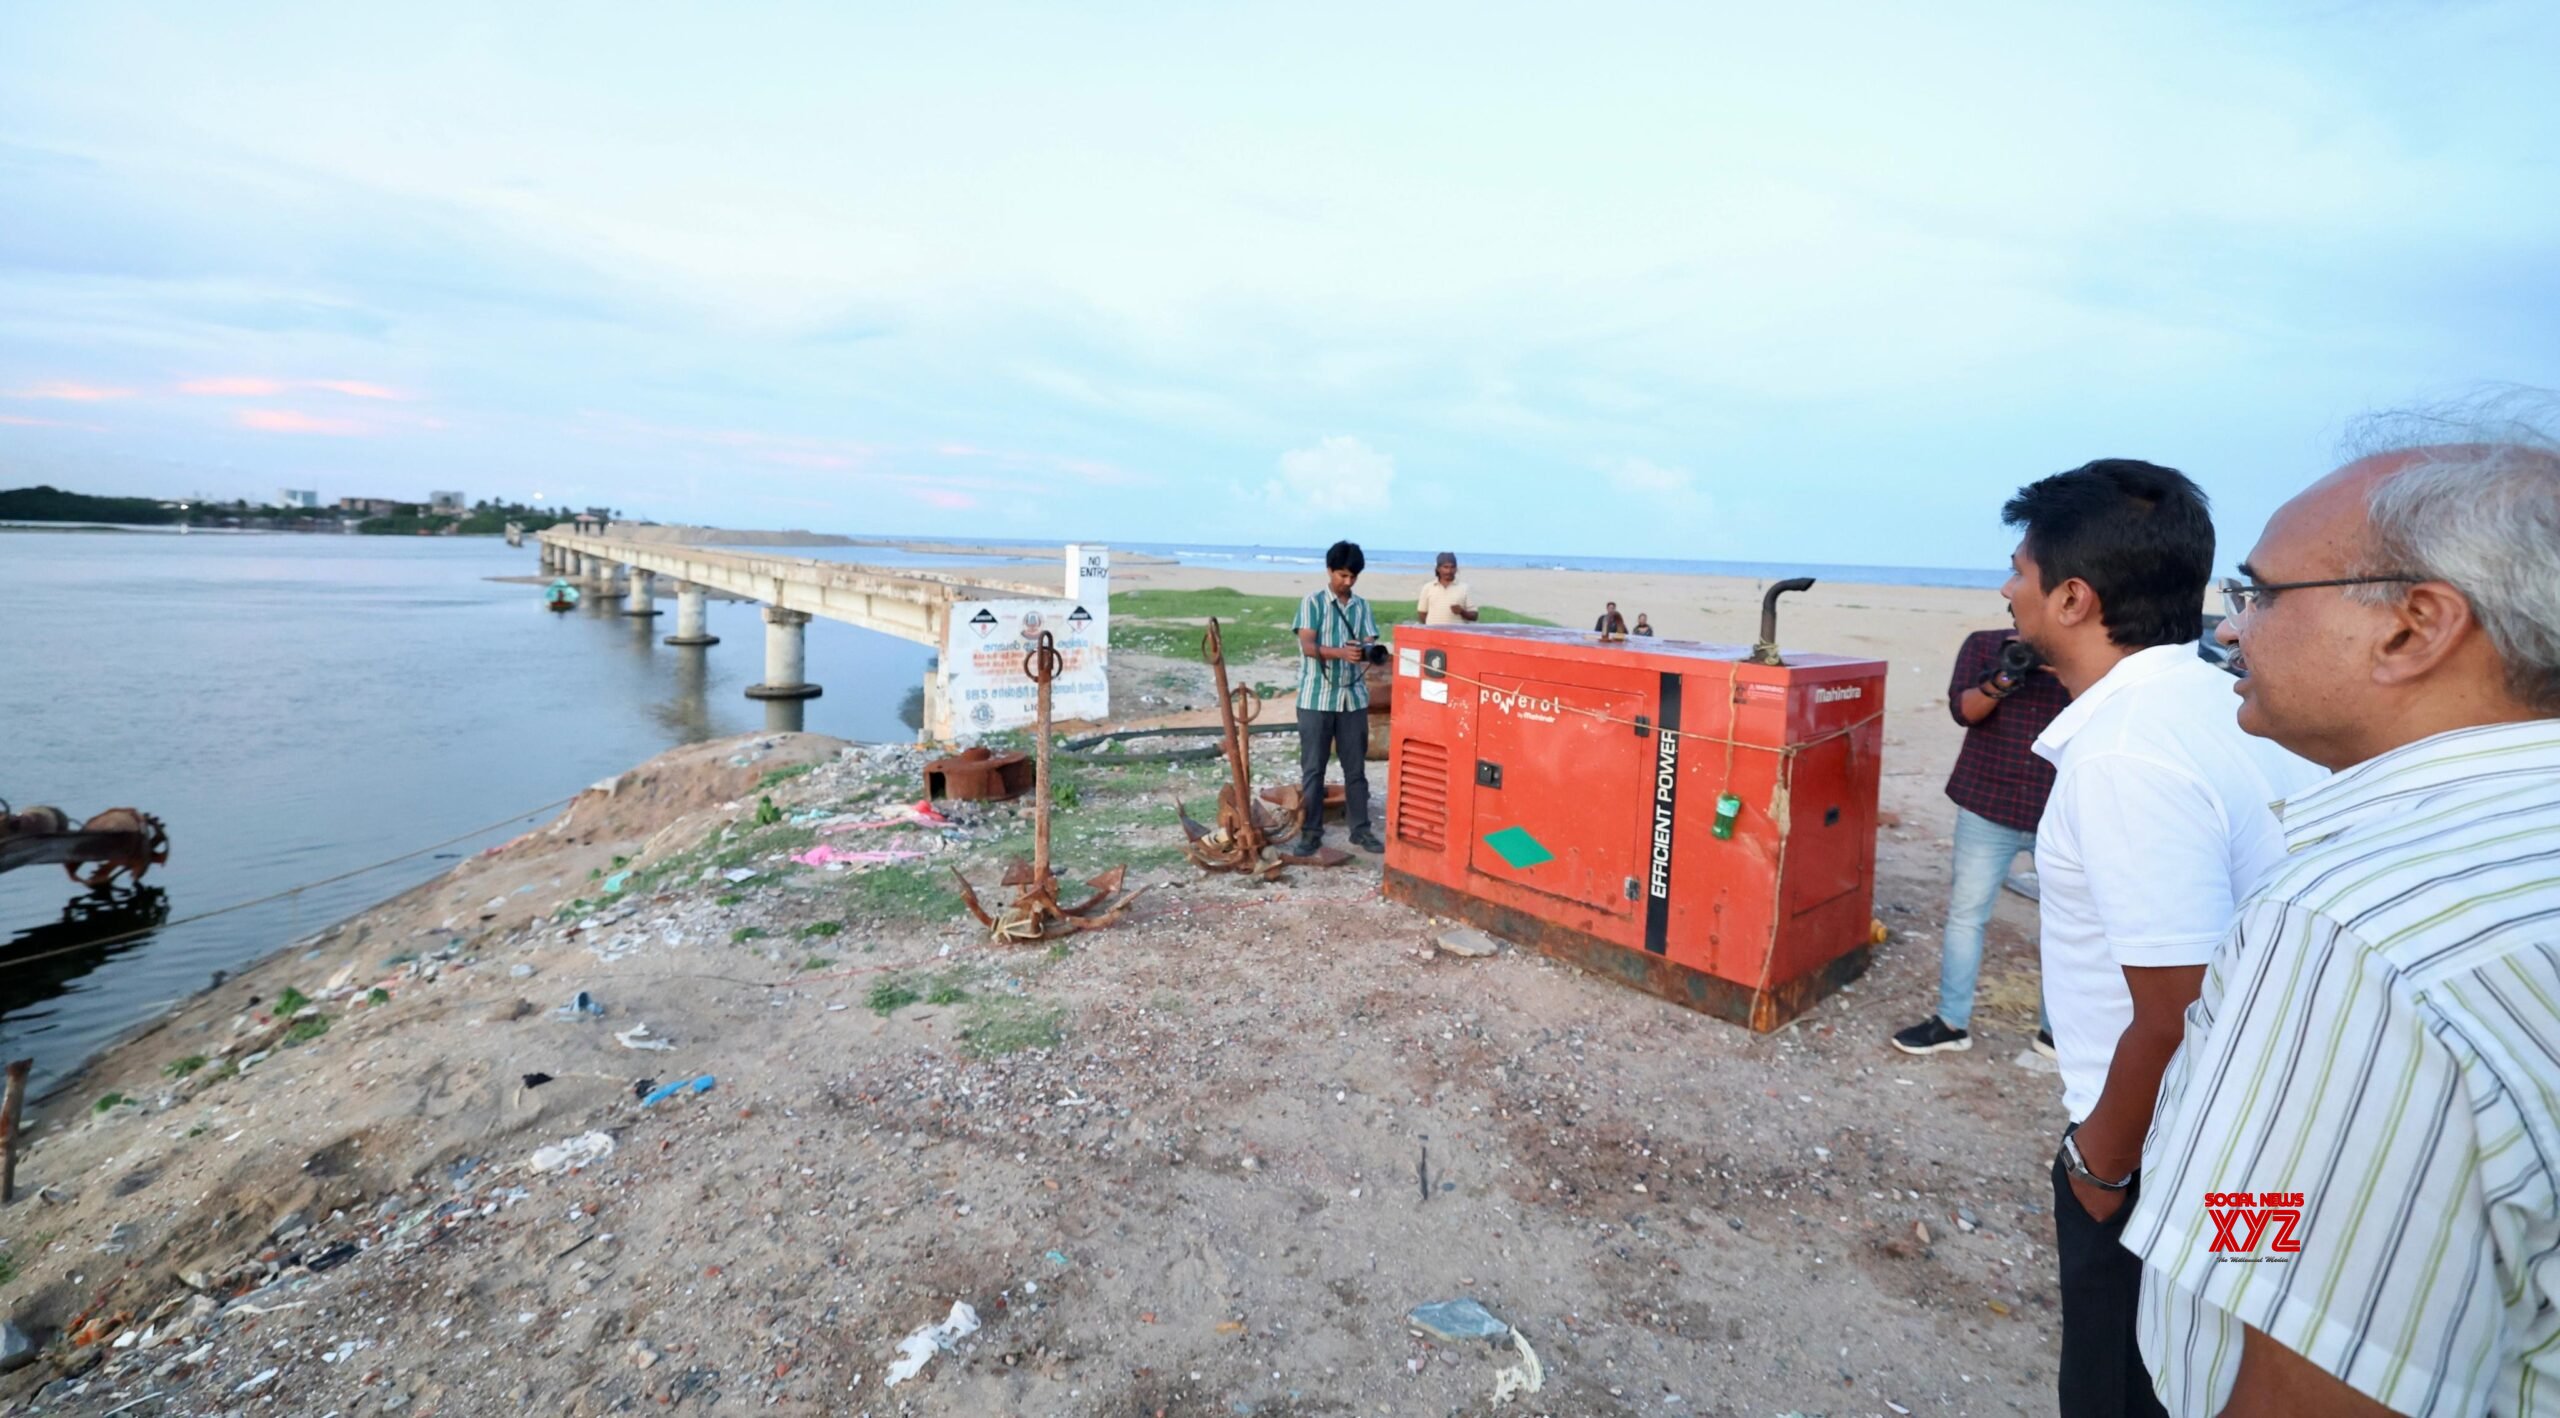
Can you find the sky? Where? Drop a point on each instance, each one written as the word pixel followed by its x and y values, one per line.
pixel 1816 282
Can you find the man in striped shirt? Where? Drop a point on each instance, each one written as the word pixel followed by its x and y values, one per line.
pixel 2348 1198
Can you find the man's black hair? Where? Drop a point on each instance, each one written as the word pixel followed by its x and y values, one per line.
pixel 2140 534
pixel 1345 556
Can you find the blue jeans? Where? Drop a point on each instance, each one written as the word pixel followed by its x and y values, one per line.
pixel 1984 852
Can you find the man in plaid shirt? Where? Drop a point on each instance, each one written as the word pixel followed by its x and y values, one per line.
pixel 2004 699
pixel 1335 629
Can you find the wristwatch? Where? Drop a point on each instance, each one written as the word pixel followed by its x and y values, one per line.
pixel 2072 1163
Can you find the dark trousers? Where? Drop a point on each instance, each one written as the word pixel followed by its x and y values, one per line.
pixel 1345 733
pixel 2102 1371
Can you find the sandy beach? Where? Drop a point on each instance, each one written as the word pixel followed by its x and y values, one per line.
pixel 1176 1167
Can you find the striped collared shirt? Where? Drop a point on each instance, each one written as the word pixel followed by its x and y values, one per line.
pixel 1333 686
pixel 2376 1052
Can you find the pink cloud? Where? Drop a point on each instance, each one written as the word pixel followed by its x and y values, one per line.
pixel 289 421
pixel 233 388
pixel 358 389
pixel 251 386
pixel 22 421
pixel 946 499
pixel 66 390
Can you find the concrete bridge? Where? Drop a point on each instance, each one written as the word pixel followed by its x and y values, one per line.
pixel 910 604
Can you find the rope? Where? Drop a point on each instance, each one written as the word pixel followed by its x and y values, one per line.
pixel 289 891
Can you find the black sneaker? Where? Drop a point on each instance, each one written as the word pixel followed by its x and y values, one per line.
pixel 2044 1042
pixel 1306 846
pixel 1932 1036
pixel 1366 839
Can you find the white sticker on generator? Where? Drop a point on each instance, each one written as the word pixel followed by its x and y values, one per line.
pixel 1409 665
pixel 1435 691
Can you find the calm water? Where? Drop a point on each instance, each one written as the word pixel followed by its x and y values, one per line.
pixel 296 706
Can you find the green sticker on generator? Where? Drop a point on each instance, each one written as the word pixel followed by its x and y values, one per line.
pixel 1518 850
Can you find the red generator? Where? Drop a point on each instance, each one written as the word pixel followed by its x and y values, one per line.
pixel 1694 820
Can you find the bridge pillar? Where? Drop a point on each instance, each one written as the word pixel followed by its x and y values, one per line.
pixel 786 657
pixel 642 599
pixel 606 574
pixel 692 619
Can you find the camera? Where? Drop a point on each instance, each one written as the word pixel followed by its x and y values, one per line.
pixel 1373 653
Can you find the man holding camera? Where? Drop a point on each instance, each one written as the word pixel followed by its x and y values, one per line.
pixel 2004 697
pixel 1337 634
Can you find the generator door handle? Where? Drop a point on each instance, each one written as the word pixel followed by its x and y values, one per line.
pixel 1488 773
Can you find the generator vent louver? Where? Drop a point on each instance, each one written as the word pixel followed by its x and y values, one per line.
pixel 1422 793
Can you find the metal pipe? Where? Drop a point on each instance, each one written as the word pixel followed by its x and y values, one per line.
pixel 1766 651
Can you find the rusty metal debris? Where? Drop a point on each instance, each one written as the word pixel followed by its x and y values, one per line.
pixel 978 774
pixel 1036 913
pixel 1246 829
pixel 119 840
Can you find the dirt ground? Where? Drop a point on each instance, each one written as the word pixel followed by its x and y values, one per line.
pixel 1202 1163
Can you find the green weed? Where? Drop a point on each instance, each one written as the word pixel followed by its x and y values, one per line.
pixel 766 813
pixel 780 776
pixel 105 1102
pixel 821 929
pixel 1008 1024
pixel 377 996
pixel 180 1068
pixel 817 962
pixel 889 996
pixel 289 1002
pixel 743 934
pixel 303 1031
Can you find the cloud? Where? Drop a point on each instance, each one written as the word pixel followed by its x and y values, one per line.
pixel 68 391
pixel 22 421
pixel 1339 476
pixel 946 499
pixel 255 387
pixel 1643 477
pixel 291 421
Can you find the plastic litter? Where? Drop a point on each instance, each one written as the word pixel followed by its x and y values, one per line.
pixel 584 1150
pixel 536 1080
pixel 665 1091
pixel 1455 1320
pixel 639 1037
pixel 614 882
pixel 738 874
pixel 824 855
pixel 918 1349
pixel 915 815
pixel 580 1008
pixel 1527 1376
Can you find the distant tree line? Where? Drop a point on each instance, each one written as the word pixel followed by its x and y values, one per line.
pixel 52 504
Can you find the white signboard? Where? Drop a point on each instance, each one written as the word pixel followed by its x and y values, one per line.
pixel 1089 585
pixel 984 684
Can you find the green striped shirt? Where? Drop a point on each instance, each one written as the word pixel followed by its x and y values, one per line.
pixel 1333 686
pixel 2380 1033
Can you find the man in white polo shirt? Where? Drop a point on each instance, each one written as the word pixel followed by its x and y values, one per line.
pixel 2157 827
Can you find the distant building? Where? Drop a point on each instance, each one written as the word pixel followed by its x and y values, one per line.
pixel 298 497
pixel 447 502
pixel 374 506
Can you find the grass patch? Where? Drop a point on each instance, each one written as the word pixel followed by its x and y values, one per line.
pixel 1170 623
pixel 946 994
pixel 289 1002
pixel 743 934
pixel 8 1268
pixel 1008 1024
pixel 889 996
pixel 105 1102
pixel 727 898
pixel 780 776
pixel 180 1068
pixel 303 1031
pixel 817 962
pixel 377 997
pixel 766 813
pixel 913 892
pixel 821 929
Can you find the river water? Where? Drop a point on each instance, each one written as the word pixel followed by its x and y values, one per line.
pixel 298 706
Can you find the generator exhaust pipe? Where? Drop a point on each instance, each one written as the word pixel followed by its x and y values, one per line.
pixel 1766 651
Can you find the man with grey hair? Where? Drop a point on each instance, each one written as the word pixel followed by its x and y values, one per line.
pixel 2351 1188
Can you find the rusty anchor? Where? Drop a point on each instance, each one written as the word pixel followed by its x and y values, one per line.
pixel 1036 913
pixel 1245 829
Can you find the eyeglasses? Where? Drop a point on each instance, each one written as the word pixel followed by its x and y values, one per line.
pixel 2241 597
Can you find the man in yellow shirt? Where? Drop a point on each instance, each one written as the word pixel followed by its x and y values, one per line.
pixel 1445 599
